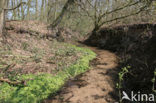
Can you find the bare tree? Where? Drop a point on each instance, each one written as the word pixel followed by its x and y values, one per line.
pixel 63 12
pixel 100 17
pixel 36 9
pixel 3 9
pixel 101 12
pixel 42 11
pixel 28 9
pixel 22 11
pixel 2 5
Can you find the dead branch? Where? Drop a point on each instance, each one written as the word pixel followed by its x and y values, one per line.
pixel 12 82
pixel 9 67
pixel 16 6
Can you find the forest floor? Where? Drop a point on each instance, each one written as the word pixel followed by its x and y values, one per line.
pixel 32 50
pixel 95 86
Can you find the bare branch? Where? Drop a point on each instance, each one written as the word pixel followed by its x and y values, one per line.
pixel 82 6
pixel 15 7
pixel 90 4
pixel 122 17
pixel 120 8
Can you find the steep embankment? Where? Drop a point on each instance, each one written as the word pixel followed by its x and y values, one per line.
pixel 95 86
pixel 33 67
pixel 135 45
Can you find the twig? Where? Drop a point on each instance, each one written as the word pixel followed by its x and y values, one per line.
pixel 122 17
pixel 15 7
pixel 12 82
pixel 9 67
pixel 117 9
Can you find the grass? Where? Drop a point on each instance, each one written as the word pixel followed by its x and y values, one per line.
pixel 40 86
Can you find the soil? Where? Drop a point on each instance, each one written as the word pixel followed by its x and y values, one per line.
pixel 135 45
pixel 35 28
pixel 24 51
pixel 95 86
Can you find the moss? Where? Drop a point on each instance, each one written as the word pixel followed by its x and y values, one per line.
pixel 42 85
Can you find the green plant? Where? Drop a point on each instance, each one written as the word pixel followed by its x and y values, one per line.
pixel 154 81
pixel 40 86
pixel 34 50
pixel 121 74
pixel 25 45
pixel 37 58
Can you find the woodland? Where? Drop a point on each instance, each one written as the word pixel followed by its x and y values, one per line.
pixel 77 51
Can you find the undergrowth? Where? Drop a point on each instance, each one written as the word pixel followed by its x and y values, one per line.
pixel 40 86
pixel 120 85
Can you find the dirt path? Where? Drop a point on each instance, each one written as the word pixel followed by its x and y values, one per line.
pixel 95 86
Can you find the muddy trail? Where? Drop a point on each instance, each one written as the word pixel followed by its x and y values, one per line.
pixel 95 86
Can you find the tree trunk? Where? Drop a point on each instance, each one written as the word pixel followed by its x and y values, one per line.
pixel 49 9
pixel 14 11
pixel 28 9
pixel 1 22
pixel 18 9
pixel 63 12
pixel 1 17
pixel 3 9
pixel 22 11
pixel 42 11
pixel 36 9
